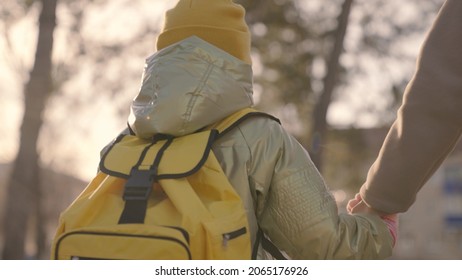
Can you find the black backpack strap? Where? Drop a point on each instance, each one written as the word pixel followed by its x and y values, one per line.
pixel 267 245
pixel 139 186
pixel 257 244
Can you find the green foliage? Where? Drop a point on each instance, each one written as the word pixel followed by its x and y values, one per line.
pixel 283 43
pixel 292 40
pixel 28 3
pixel 384 39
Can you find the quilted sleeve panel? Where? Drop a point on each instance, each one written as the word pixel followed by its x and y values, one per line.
pixel 295 208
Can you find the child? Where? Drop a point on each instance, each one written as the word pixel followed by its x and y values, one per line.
pixel 202 73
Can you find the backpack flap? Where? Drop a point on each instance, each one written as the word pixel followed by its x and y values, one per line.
pixel 178 161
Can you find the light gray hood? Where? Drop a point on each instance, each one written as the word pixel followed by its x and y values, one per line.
pixel 188 86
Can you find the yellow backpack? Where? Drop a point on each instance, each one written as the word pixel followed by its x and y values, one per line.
pixel 162 199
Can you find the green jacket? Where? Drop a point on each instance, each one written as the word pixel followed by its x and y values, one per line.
pixel 193 84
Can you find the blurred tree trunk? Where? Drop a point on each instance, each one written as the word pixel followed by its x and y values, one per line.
pixel 330 82
pixel 24 196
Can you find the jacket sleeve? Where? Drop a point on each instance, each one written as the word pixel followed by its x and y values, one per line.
pixel 298 213
pixel 429 121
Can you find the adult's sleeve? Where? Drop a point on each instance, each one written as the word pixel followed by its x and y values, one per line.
pixel 428 123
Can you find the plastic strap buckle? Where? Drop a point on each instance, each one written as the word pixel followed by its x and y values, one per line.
pixel 139 184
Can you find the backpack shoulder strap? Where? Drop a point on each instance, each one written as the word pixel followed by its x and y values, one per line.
pixel 237 118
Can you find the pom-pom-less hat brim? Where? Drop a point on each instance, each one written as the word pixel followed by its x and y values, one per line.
pixel 219 22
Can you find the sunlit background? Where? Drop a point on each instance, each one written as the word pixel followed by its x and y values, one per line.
pixel 99 53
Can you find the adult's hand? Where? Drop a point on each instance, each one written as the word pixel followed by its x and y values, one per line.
pixel 357 205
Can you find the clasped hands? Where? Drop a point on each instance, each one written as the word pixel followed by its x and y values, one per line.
pixel 357 205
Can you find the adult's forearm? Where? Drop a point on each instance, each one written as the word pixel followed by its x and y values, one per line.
pixel 429 122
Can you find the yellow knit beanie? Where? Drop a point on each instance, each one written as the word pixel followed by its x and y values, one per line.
pixel 219 22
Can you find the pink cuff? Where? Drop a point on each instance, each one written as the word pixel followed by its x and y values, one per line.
pixel 392 224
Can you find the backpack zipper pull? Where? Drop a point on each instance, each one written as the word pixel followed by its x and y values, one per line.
pixel 233 234
pixel 226 238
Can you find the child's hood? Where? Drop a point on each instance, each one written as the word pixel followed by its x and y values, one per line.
pixel 188 86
